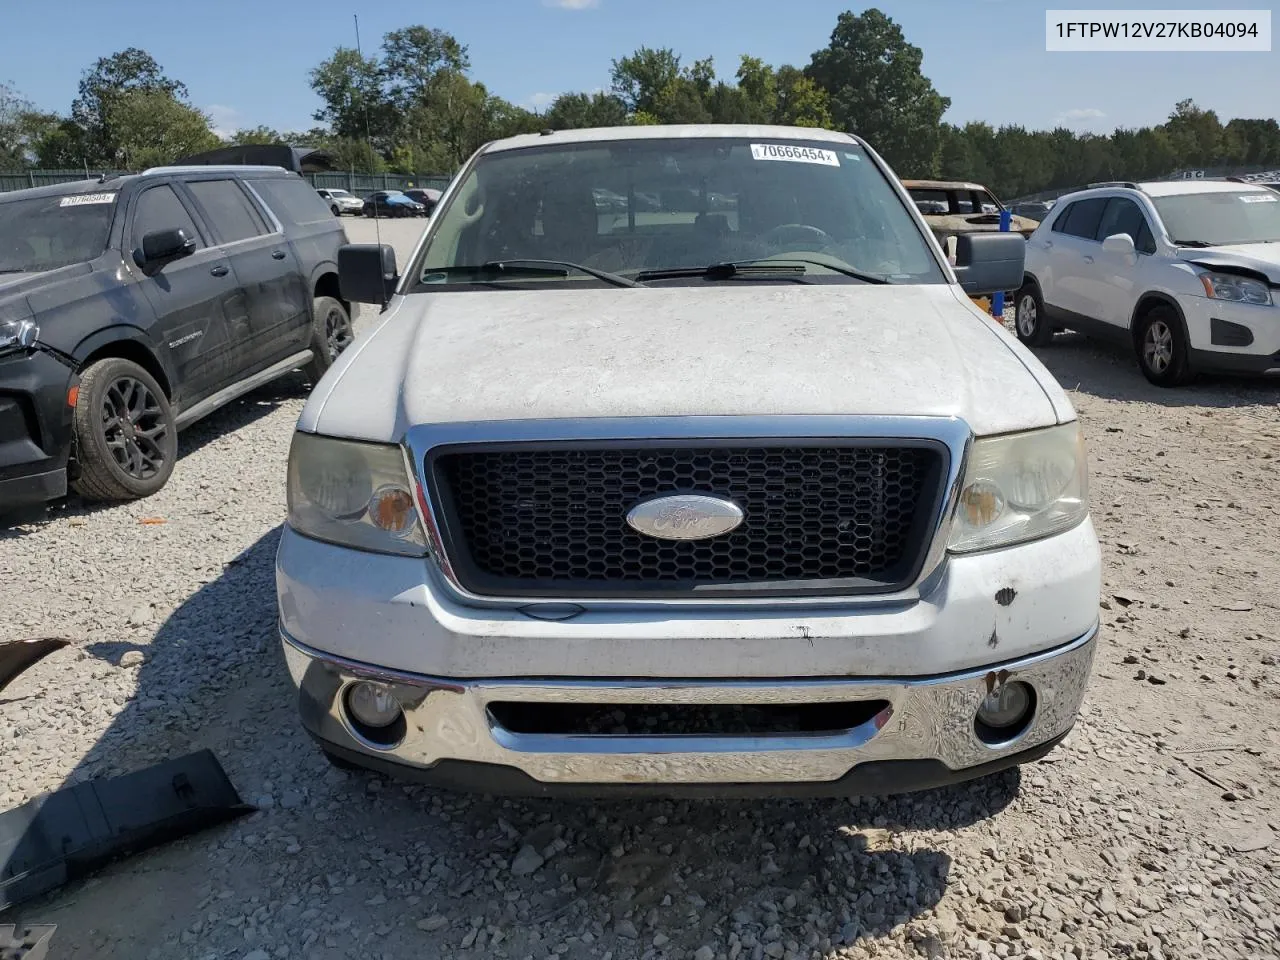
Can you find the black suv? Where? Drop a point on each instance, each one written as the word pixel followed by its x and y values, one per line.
pixel 131 307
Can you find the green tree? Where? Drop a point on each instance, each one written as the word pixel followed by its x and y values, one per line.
pixel 801 102
pixel 22 129
pixel 109 79
pixel 412 57
pixel 642 78
pixel 350 85
pixel 153 127
pixel 257 135
pixel 1195 134
pixel 573 111
pixel 758 85
pixel 877 90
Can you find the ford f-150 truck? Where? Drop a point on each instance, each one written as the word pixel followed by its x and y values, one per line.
pixel 682 496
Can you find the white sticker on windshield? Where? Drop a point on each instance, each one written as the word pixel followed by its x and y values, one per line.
pixel 80 199
pixel 1258 198
pixel 794 153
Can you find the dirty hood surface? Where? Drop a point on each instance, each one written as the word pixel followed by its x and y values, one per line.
pixel 735 349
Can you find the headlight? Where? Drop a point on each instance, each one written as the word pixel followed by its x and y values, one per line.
pixel 17 335
pixel 353 493
pixel 1021 486
pixel 1229 286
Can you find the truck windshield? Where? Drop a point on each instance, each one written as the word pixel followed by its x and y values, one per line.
pixel 44 233
pixel 644 206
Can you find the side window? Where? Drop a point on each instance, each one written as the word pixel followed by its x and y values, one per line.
pixel 158 208
pixel 292 200
pixel 1122 215
pixel 1083 218
pixel 1144 241
pixel 1060 221
pixel 227 209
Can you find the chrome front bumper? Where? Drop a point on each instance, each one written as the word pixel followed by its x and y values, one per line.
pixel 928 719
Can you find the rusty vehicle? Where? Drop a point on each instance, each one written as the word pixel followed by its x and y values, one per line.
pixel 952 208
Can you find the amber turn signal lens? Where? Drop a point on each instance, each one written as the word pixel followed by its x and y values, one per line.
pixel 982 504
pixel 391 509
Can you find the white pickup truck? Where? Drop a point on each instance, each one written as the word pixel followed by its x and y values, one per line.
pixel 727 490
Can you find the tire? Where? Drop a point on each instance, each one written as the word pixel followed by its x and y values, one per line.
pixel 1163 352
pixel 1030 323
pixel 126 439
pixel 335 211
pixel 331 334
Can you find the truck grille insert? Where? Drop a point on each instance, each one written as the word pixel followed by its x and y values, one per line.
pixel 550 520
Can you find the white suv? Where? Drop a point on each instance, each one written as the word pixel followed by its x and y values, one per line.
pixel 1183 271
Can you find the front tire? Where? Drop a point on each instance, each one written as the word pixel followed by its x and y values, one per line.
pixel 335 211
pixel 1163 352
pixel 1030 323
pixel 126 439
pixel 332 333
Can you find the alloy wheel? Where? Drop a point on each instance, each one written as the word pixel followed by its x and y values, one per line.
pixel 1157 346
pixel 1026 315
pixel 337 332
pixel 134 428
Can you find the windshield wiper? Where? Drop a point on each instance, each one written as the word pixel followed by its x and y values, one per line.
pixel 1195 243
pixel 844 271
pixel 520 266
pixel 761 268
pixel 723 271
pixel 527 265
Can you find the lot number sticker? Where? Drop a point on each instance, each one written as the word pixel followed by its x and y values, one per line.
pixel 1258 198
pixel 796 154
pixel 81 199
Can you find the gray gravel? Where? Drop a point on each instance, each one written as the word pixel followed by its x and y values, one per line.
pixel 1150 833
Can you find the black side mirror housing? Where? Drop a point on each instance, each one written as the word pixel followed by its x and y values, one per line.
pixel 164 246
pixel 367 272
pixel 990 262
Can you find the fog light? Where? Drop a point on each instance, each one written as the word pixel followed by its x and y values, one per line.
pixel 1005 713
pixel 1006 705
pixel 372 704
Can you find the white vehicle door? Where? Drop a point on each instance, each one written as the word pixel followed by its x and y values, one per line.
pixel 1116 279
pixel 1073 256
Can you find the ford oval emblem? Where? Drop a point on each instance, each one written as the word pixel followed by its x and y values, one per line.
pixel 685 516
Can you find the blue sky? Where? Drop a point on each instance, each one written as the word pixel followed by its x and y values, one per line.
pixel 246 61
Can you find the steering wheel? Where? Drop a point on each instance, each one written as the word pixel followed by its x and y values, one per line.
pixel 790 234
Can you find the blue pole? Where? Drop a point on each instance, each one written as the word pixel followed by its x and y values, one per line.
pixel 997 301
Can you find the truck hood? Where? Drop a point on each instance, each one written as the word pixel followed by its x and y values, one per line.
pixel 1263 258
pixel 735 349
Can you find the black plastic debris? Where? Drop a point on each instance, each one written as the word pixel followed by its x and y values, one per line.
pixel 17 655
pixel 32 943
pixel 59 836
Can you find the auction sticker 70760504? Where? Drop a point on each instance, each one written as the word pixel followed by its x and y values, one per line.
pixel 795 153
pixel 80 199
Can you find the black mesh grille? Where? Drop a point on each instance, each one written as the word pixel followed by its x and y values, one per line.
pixel 552 521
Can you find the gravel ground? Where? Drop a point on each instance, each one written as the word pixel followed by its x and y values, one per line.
pixel 1150 833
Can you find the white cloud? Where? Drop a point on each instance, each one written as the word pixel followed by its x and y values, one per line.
pixel 571 4
pixel 1079 115
pixel 540 101
pixel 224 120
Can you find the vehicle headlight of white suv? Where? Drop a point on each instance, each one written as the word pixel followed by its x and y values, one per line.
pixel 1231 286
